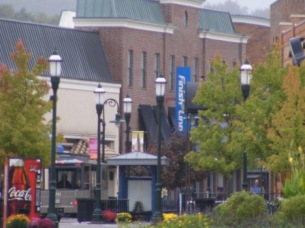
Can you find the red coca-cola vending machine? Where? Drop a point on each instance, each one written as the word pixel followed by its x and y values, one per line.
pixel 23 186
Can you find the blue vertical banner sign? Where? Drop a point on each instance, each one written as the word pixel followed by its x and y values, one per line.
pixel 183 75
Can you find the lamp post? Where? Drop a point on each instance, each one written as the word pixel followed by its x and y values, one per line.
pixel 245 78
pixel 127 114
pixel 100 103
pixel 99 93
pixel 55 70
pixel 160 90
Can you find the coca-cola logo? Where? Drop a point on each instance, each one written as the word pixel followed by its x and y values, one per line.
pixel 16 194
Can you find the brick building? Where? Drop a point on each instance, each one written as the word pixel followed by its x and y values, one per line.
pixel 145 38
pixel 287 21
pixel 258 45
pixel 281 13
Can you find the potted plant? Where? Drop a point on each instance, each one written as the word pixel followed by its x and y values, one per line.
pixel 17 221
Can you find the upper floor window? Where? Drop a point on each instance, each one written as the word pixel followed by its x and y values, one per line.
pixel 211 68
pixel 157 64
pixel 144 69
pixel 195 70
pixel 172 72
pixel 184 61
pixel 130 68
pixel 185 19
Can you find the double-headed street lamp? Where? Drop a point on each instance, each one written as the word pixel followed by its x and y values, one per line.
pixel 55 70
pixel 160 91
pixel 245 79
pixel 100 103
pixel 127 114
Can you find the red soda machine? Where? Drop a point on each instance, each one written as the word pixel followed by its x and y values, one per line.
pixel 22 187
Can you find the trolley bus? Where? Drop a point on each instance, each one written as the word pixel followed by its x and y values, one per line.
pixel 75 178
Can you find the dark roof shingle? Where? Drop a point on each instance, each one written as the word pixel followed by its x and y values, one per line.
pixel 82 52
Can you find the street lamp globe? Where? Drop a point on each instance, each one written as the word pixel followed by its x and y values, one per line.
pixel 160 86
pixel 118 119
pixel 245 78
pixel 127 114
pixel 127 104
pixel 99 94
pixel 55 64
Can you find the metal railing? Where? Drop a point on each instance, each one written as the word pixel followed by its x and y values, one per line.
pixel 117 205
pixel 204 202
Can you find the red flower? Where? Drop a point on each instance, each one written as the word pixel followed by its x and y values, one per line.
pixel 109 216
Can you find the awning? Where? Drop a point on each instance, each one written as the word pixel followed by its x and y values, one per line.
pixel 165 126
pixel 172 117
pixel 136 158
pixel 190 107
pixel 68 161
pixel 148 119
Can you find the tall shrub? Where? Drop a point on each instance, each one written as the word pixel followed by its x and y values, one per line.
pixel 291 213
pixel 295 185
pixel 241 209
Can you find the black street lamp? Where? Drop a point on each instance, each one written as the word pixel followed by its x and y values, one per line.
pixel 127 114
pixel 99 93
pixel 55 70
pixel 245 78
pixel 160 91
pixel 100 103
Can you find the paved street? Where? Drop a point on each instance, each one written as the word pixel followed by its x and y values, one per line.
pixel 72 222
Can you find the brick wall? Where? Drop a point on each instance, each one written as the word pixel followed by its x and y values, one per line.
pixel 297 30
pixel 230 52
pixel 280 11
pixel 258 45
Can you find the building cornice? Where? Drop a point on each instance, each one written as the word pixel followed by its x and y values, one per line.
pixel 297 16
pixel 123 23
pixel 84 85
pixel 233 38
pixel 286 23
pixel 190 3
pixel 251 20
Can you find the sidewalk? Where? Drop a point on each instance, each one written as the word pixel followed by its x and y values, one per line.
pixel 72 222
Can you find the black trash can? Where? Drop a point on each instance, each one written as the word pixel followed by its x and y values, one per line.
pixel 205 204
pixel 85 208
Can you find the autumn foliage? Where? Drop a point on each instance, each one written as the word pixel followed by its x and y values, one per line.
pixel 24 131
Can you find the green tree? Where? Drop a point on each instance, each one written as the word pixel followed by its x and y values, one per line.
pixel 214 134
pixel 23 131
pixel 257 113
pixel 287 125
pixel 248 124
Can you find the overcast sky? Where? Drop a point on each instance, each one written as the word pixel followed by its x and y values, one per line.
pixel 250 4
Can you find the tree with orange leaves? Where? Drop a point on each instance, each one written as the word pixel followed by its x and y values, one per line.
pixel 23 128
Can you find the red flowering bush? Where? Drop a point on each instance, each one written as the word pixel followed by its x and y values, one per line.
pixel 109 216
pixel 41 223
